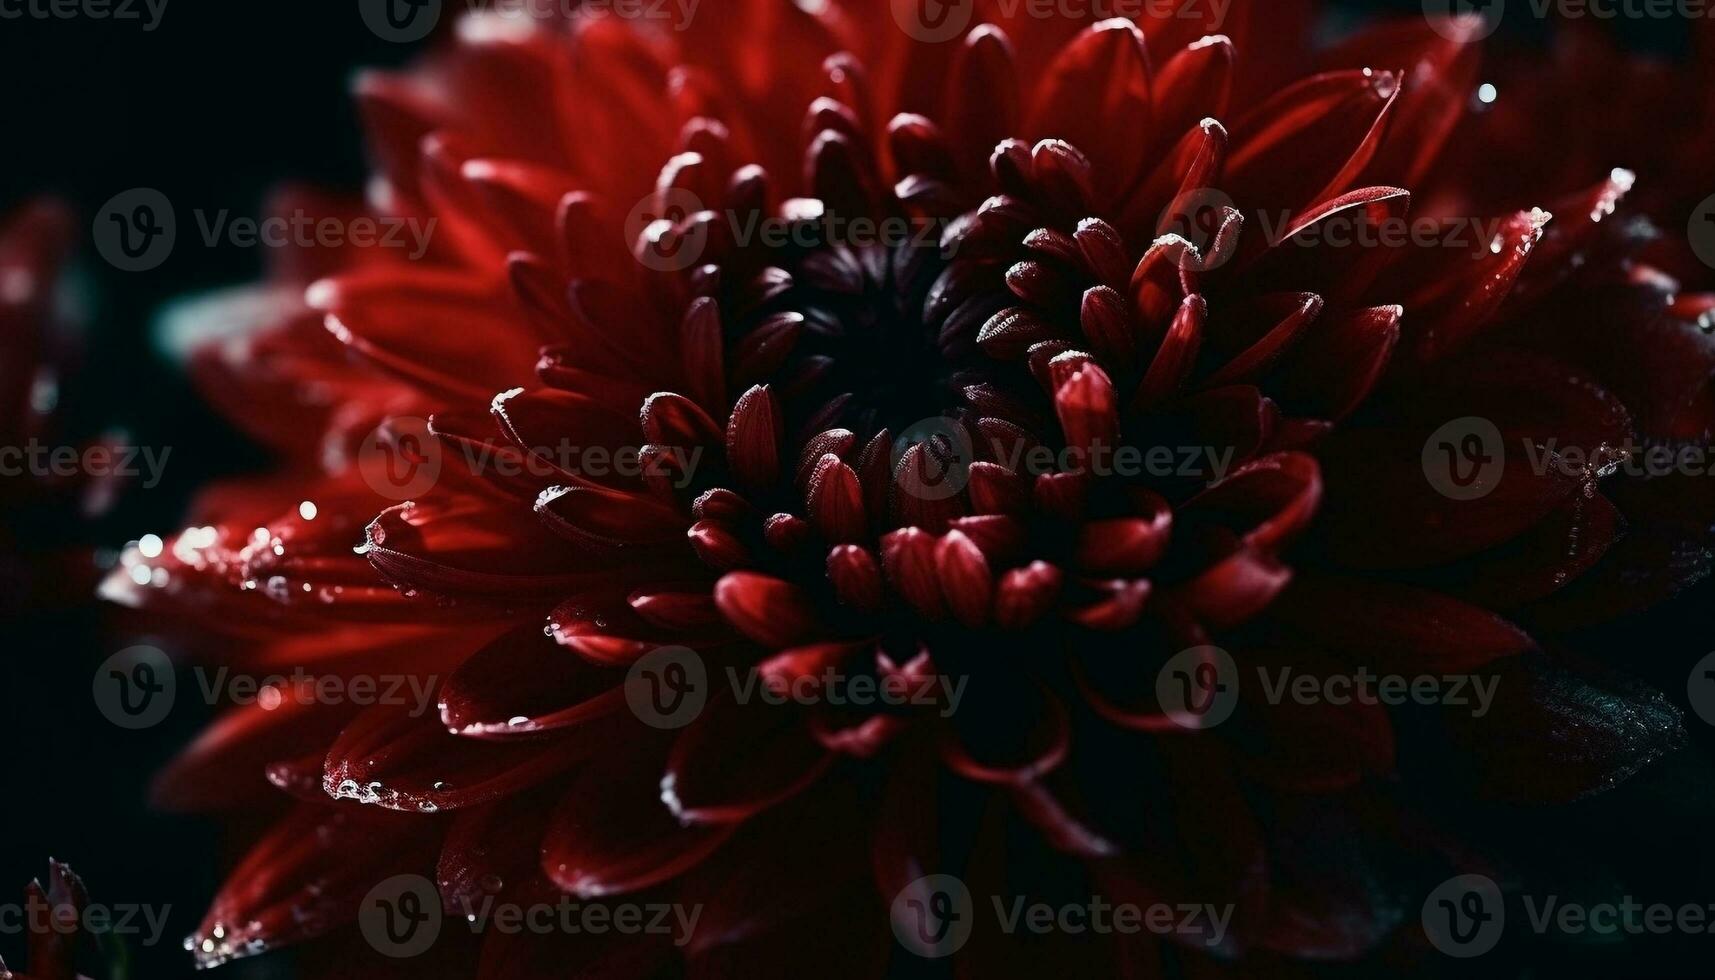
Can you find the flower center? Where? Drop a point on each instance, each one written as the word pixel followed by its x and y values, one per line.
pixel 848 345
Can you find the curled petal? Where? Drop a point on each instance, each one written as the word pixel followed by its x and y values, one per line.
pixel 736 760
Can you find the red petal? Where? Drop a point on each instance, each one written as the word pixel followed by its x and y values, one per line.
pixel 1178 354
pixel 611 833
pixel 703 354
pixel 982 100
pixel 524 682
pixel 736 760
pixel 1337 364
pixel 774 613
pixel 1026 594
pixel 966 581
pixel 391 758
pixel 1195 84
pixel 1033 739
pixel 753 438
pixel 1124 545
pixel 835 501
pixel 307 876
pixel 1399 627
pixel 433 328
pixel 855 576
pixel 1268 500
pixel 1308 142
pixel 471 546
pixel 1323 249
pixel 1096 96
pixel 1088 410
pixel 1234 589
pixel 1452 300
pixel 492 852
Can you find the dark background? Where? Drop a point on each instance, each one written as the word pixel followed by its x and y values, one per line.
pixel 214 107
pixel 221 101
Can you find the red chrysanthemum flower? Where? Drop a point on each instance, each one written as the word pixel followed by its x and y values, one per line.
pixel 835 443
